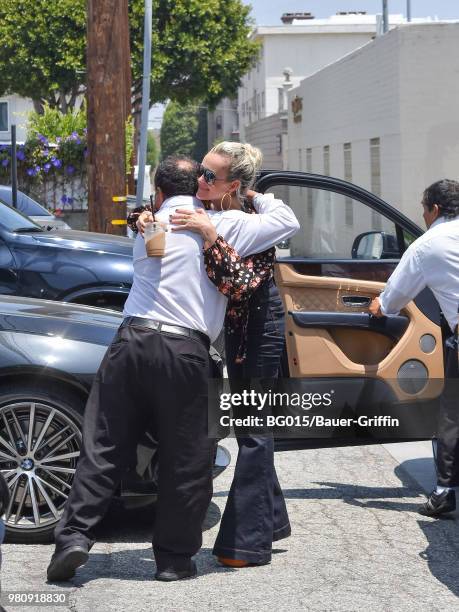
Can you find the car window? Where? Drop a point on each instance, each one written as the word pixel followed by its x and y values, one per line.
pixel 12 220
pixel 334 226
pixel 25 203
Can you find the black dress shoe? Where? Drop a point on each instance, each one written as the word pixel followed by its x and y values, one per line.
pixel 64 563
pixel 439 503
pixel 170 573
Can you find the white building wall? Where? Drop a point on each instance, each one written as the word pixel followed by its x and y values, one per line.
pixel 429 66
pixel 266 134
pixel 18 109
pixel 402 88
pixel 354 100
pixel 222 123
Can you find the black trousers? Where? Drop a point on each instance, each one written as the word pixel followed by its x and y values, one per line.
pixel 153 379
pixel 447 456
pixel 255 513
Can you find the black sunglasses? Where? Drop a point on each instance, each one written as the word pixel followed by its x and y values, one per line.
pixel 209 175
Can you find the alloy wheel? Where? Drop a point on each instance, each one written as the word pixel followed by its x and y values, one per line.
pixel 39 449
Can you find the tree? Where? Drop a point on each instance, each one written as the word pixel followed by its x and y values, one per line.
pixel 43 51
pixel 200 49
pixel 178 130
pixel 152 150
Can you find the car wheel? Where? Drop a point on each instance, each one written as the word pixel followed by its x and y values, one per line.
pixel 40 442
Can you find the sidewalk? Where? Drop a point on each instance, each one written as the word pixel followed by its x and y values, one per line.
pixel 357 543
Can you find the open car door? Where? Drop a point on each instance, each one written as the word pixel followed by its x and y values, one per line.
pixel 349 243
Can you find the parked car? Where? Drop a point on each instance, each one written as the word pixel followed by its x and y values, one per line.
pixel 49 354
pixel 30 207
pixel 70 266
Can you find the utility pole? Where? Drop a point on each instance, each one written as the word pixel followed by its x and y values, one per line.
pixel 142 155
pixel 107 87
pixel 385 10
pixel 408 10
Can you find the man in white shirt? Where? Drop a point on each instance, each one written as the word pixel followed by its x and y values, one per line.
pixel 157 369
pixel 433 261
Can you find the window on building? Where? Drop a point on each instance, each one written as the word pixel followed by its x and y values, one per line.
pixel 3 116
pixel 375 164
pixel 327 160
pixel 279 143
pixel 309 192
pixel 258 105
pixel 263 100
pixel 327 173
pixel 300 160
pixel 348 205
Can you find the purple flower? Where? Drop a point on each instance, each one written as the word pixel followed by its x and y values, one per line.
pixel 58 139
pixel 42 139
pixel 5 162
pixel 64 199
pixel 47 167
pixel 69 200
pixel 70 169
pixel 37 169
pixel 56 162
pixel 45 152
pixel 20 154
pixel 30 171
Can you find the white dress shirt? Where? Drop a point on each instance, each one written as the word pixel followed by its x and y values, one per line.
pixel 175 288
pixel 430 261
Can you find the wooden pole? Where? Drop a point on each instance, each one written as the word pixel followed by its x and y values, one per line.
pixel 107 21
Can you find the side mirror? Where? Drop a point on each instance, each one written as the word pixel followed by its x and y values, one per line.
pixel 285 244
pixel 375 245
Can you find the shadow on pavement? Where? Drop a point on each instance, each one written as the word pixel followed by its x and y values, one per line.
pixel 442 552
pixel 137 565
pixel 137 525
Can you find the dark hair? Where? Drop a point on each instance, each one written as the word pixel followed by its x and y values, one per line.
pixel 445 194
pixel 177 175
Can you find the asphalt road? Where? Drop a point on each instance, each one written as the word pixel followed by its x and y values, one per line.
pixel 357 543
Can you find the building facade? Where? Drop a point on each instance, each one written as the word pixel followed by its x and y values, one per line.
pixel 385 116
pixel 223 122
pixel 14 110
pixel 303 46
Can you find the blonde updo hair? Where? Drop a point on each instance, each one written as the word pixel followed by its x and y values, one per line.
pixel 244 162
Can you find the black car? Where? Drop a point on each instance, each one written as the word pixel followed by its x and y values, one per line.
pixel 65 265
pixel 49 354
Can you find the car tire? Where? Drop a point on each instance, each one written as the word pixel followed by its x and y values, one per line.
pixel 39 471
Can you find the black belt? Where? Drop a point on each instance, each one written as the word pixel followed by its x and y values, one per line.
pixel 167 329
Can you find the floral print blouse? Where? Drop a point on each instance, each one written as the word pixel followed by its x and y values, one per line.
pixel 238 278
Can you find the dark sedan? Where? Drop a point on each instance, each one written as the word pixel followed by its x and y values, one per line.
pixel 65 265
pixel 49 354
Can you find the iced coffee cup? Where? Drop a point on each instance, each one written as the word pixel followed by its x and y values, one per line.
pixel 155 239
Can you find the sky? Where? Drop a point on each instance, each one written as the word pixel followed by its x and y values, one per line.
pixel 268 12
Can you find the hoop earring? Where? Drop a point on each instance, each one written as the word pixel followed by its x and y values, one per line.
pixel 227 194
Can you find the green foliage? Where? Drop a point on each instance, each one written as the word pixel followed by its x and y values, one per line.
pixel 43 50
pixel 53 124
pixel 179 130
pixel 200 49
pixel 152 150
pixel 129 130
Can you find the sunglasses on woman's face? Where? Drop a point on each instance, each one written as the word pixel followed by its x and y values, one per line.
pixel 209 175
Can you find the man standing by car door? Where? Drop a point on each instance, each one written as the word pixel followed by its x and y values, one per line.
pixel 433 261
pixel 157 368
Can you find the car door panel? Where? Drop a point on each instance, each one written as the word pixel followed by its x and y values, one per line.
pixel 340 349
pixel 327 278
